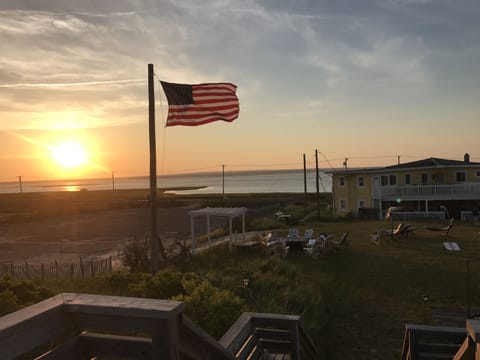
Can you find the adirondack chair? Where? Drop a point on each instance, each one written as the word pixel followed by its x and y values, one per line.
pixel 343 242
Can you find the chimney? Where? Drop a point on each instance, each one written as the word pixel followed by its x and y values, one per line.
pixel 466 158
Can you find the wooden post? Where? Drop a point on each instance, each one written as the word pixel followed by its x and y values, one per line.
pixel 20 183
pixel 165 339
pixel 153 172
pixel 192 229
pixel 56 270
pixel 317 183
pixel 12 270
pixel 71 271
pixel 82 270
pixel 92 268
pixel 43 272
pixel 223 180
pixel 110 264
pixel 26 271
pixel 305 178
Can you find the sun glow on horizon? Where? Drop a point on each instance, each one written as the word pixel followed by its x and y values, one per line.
pixel 69 154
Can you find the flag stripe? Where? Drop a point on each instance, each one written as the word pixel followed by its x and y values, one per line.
pixel 200 104
pixel 198 115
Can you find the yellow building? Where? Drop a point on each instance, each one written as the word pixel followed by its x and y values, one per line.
pixel 418 186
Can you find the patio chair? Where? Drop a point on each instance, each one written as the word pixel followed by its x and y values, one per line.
pixel 343 242
pixel 321 246
pixel 293 233
pixel 280 248
pixel 377 236
pixel 308 234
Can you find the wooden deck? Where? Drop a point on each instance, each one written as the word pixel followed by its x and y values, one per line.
pixel 422 342
pixel 82 326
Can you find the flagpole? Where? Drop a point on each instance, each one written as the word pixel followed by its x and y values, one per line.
pixel 153 172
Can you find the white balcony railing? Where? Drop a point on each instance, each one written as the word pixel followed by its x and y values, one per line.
pixel 466 191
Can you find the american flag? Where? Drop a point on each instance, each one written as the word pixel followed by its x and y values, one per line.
pixel 192 105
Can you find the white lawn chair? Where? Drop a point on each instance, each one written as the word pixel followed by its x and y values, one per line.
pixel 308 234
pixel 293 233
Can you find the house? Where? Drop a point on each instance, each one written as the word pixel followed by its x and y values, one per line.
pixel 419 186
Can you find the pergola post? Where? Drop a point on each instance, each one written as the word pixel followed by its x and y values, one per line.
pixel 231 230
pixel 192 228
pixel 207 212
pixel 208 229
pixel 243 226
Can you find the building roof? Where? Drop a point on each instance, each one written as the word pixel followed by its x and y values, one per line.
pixel 432 162
pixel 425 163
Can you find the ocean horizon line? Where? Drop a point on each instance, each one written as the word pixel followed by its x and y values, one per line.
pixel 179 174
pixel 244 181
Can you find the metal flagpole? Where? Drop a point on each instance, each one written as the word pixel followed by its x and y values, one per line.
pixel 153 172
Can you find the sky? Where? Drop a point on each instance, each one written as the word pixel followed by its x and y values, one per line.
pixel 366 80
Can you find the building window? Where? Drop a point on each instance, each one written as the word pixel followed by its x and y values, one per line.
pixel 384 180
pixel 342 181
pixel 342 204
pixel 424 178
pixel 393 179
pixel 361 181
pixel 460 176
pixel 408 179
pixel 388 180
pixel 361 204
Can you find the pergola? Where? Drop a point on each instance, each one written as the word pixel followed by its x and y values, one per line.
pixel 231 213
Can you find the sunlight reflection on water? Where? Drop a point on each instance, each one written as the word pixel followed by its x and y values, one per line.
pixel 71 188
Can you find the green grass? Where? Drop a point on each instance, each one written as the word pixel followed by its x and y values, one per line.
pixel 372 291
pixel 369 292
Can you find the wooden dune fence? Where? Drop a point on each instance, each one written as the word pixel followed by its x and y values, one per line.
pixel 81 269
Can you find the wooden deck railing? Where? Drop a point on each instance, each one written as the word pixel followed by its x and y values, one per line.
pixel 253 335
pixel 79 326
pixel 442 342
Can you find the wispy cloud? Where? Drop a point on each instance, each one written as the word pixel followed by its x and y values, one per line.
pixel 85 83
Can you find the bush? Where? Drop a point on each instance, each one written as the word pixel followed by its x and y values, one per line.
pixel 135 255
pixel 8 302
pixel 214 309
pixel 17 294
pixel 164 285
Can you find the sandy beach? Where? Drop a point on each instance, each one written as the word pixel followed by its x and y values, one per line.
pixel 98 234
pixel 44 233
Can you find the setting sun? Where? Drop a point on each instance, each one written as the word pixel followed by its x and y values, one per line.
pixel 69 154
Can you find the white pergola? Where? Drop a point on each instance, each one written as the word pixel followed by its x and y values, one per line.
pixel 231 213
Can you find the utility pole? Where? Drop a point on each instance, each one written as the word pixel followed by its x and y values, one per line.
pixel 113 180
pixel 317 183
pixel 223 180
pixel 305 178
pixel 20 183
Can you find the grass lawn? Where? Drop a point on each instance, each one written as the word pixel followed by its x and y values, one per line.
pixel 371 291
pixel 368 292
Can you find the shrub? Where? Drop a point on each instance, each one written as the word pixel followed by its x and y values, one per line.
pixel 164 285
pixel 8 302
pixel 135 255
pixel 214 309
pixel 17 294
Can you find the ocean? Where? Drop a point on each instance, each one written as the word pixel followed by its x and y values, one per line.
pixel 261 181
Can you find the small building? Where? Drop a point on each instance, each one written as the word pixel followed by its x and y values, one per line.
pixel 421 186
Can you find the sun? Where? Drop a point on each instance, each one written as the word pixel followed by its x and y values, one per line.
pixel 69 154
